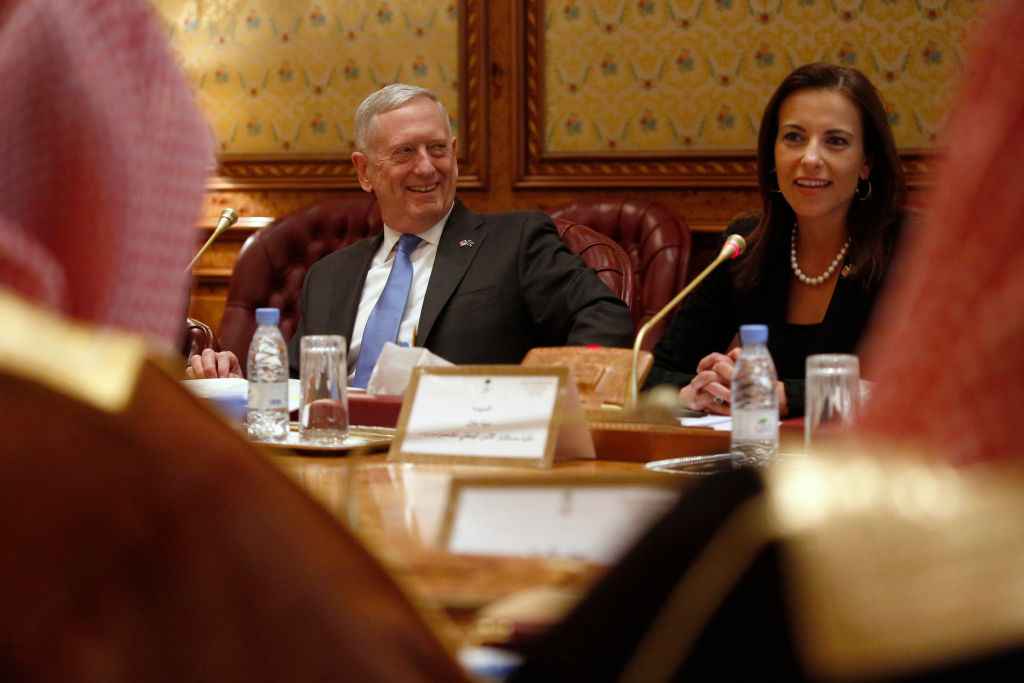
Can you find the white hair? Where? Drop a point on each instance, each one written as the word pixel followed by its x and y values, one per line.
pixel 386 99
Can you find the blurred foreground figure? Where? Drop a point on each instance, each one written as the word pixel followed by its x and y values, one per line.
pixel 142 538
pixel 104 157
pixel 890 560
pixel 949 347
pixel 145 540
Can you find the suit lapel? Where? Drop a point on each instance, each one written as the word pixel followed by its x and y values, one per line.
pixel 844 307
pixel 347 288
pixel 769 303
pixel 454 255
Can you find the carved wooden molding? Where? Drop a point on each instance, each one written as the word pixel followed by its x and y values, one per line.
pixel 705 171
pixel 294 172
pixel 539 169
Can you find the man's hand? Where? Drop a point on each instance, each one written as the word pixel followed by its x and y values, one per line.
pixel 210 364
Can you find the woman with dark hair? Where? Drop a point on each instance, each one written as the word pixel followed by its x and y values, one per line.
pixel 832 193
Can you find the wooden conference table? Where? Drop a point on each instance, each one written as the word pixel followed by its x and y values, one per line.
pixel 397 510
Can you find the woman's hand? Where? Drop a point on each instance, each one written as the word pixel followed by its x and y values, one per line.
pixel 210 364
pixel 780 389
pixel 709 390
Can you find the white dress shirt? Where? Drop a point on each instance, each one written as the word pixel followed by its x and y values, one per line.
pixel 422 259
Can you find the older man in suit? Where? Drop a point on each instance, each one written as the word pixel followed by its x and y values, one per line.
pixel 472 288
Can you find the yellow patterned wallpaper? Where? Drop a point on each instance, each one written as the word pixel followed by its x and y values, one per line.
pixel 285 76
pixel 681 75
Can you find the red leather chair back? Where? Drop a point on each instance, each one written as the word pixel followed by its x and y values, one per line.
pixel 273 262
pixel 604 255
pixel 657 241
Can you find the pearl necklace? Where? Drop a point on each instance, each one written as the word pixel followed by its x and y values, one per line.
pixel 824 276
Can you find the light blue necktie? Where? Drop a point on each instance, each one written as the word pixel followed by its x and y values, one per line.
pixel 386 316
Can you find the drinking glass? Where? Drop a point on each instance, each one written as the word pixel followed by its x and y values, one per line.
pixel 832 396
pixel 323 409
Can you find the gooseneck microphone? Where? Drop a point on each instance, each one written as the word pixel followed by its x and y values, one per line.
pixel 226 220
pixel 732 248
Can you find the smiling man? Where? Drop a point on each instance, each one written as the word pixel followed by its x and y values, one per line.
pixel 472 288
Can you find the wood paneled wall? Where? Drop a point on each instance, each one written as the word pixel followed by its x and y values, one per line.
pixel 500 183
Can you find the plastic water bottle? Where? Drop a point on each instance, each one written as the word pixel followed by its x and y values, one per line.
pixel 268 379
pixel 755 405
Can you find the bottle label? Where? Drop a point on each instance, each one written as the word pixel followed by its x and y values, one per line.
pixel 270 396
pixel 760 424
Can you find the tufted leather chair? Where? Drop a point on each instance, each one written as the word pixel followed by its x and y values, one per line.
pixel 273 262
pixel 604 255
pixel 198 336
pixel 657 241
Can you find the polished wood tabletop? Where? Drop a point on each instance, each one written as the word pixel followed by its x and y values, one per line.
pixel 396 509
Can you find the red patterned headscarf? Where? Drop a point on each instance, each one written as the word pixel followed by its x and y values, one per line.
pixel 103 155
pixel 947 352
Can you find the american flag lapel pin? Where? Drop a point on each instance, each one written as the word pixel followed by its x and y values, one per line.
pixel 466 243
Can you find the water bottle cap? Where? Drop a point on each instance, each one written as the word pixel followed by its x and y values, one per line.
pixel 266 316
pixel 753 334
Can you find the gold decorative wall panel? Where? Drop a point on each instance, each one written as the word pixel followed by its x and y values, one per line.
pixel 280 80
pixel 634 91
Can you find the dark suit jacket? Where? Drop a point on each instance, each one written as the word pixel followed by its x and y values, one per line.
pixel 709 320
pixel 518 286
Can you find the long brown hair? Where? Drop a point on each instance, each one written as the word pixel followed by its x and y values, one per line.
pixel 870 223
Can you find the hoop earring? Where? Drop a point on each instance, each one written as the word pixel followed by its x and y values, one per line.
pixel 775 189
pixel 866 195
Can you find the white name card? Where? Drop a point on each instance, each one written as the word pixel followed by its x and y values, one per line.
pixel 481 415
pixel 593 519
